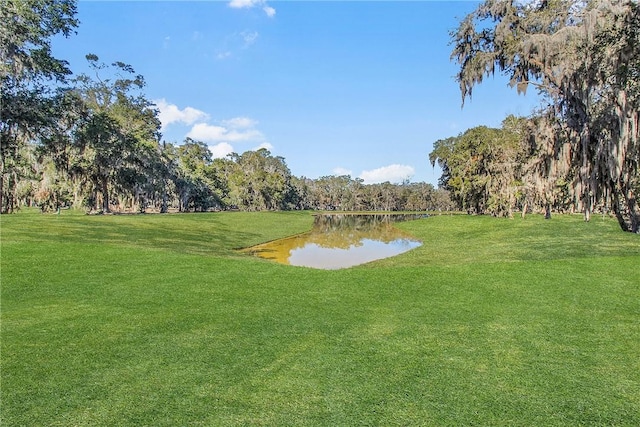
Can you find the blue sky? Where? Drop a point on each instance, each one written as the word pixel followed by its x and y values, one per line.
pixel 335 87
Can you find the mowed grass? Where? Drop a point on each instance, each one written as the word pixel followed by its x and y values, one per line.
pixel 156 320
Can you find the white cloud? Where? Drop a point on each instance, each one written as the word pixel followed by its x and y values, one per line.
pixel 248 4
pixel 265 145
pixel 240 4
pixel 391 173
pixel 249 38
pixel 170 113
pixel 221 150
pixel 234 42
pixel 219 135
pixel 205 132
pixel 271 12
pixel 240 123
pixel 342 171
pixel 213 133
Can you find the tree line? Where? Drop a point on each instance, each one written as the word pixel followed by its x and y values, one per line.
pixel 94 140
pixel 581 150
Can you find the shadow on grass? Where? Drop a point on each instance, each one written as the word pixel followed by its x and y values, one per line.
pixel 207 234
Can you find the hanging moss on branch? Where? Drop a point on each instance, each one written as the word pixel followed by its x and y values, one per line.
pixel 584 58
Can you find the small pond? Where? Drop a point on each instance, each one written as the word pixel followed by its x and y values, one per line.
pixel 341 241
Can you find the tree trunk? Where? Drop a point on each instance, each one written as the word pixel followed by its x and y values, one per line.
pixel 618 210
pixel 164 207
pixel 1 190
pixel 11 199
pixel 627 212
pixel 105 195
pixel 587 209
pixel 634 212
pixel 585 169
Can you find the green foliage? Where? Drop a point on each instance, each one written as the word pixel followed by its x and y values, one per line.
pixel 25 47
pixel 482 167
pixel 97 144
pixel 191 179
pixel 117 142
pixel 582 56
pixel 260 181
pixel 348 194
pixel 26 98
pixel 156 320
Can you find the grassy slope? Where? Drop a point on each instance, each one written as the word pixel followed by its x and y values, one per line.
pixel 155 320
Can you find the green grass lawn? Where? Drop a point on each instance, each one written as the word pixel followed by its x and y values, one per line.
pixel 156 320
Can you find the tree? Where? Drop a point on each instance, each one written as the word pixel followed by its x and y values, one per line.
pixel 119 134
pixel 26 68
pixel 300 194
pixel 480 167
pixel 421 197
pixel 196 180
pixel 583 57
pixel 260 181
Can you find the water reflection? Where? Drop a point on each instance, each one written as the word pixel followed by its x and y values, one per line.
pixel 342 240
